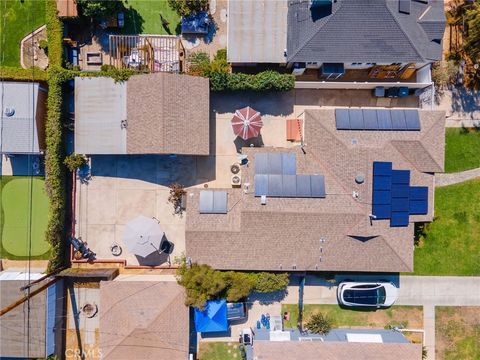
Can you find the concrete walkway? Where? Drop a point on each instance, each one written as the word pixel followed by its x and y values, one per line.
pixel 455 178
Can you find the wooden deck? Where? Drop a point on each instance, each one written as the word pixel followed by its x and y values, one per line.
pixel 359 75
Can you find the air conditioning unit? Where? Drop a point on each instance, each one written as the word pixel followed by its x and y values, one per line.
pixel 236 180
pixel 313 64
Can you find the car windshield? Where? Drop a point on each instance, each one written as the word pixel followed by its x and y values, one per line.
pixel 365 296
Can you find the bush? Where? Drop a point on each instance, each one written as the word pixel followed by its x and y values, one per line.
pixel 269 282
pixel 54 34
pixel 99 8
pixel 263 81
pixel 12 73
pixel 444 73
pixel 200 64
pixel 75 161
pixel 186 7
pixel 319 324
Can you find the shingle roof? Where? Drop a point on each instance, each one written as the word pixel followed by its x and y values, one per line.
pixel 287 232
pixel 143 320
pixel 168 113
pixel 365 31
pixel 267 350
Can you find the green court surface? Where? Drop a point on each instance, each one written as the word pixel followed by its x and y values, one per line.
pixel 22 220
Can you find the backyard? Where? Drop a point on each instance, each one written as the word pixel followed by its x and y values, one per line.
pixel 21 18
pixel 462 146
pixel 457 331
pixel 19 221
pixel 218 351
pixel 144 17
pixel 451 243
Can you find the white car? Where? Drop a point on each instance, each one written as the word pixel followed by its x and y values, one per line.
pixel 371 294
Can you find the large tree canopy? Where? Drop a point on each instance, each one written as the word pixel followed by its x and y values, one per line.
pixel 99 8
pixel 472 40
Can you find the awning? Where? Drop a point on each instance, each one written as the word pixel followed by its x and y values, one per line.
pixel 213 318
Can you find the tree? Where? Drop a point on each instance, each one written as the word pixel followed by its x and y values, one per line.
pixel 99 8
pixel 269 282
pixel 472 39
pixel 444 73
pixel 239 285
pixel 186 7
pixel 319 324
pixel 75 161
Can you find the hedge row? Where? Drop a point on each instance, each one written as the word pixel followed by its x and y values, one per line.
pixel 264 81
pixel 54 34
pixel 12 73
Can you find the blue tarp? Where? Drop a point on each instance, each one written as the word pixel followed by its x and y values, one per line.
pixel 197 23
pixel 213 318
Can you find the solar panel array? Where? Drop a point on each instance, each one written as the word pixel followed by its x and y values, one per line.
pixel 392 196
pixel 213 202
pixel 377 119
pixel 276 176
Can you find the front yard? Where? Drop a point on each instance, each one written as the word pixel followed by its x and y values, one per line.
pixel 21 18
pixel 218 351
pixel 457 333
pixel 462 147
pixel 451 243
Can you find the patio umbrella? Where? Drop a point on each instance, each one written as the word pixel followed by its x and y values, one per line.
pixel 142 236
pixel 247 123
pixel 213 318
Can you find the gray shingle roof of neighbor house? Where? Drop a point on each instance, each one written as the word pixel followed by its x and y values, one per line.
pixel 143 320
pixel 366 31
pixel 148 114
pixel 311 350
pixel 330 234
pixel 22 126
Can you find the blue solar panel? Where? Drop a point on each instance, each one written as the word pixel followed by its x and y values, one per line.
pixel 400 191
pixel 370 119
pixel 303 186
pixel 275 187
pixel 289 185
pixel 342 119
pixel 382 168
pixel 382 197
pixel 418 193
pixel 384 118
pixel 398 120
pixel 401 177
pixel 400 204
pixel 261 164
pixel 318 186
pixel 382 212
pixel 289 164
pixel 399 219
pixel 275 163
pixel 412 119
pixel 382 183
pixel 418 207
pixel 261 185
pixel 356 119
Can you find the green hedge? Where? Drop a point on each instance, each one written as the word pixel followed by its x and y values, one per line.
pixel 265 81
pixel 12 73
pixel 54 34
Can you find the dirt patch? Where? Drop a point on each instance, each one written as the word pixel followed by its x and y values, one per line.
pixel 457 332
pixel 31 53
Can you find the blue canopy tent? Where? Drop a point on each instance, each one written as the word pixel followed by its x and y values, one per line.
pixel 213 318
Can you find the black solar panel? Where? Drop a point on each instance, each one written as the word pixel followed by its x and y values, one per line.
pixel 342 119
pixel 289 164
pixel 275 163
pixel 398 120
pixel 373 119
pixel 275 187
pixel 370 119
pixel 317 183
pixel 384 118
pixel 289 186
pixel 261 163
pixel 412 119
pixel 356 119
pixel 303 186
pixel 261 185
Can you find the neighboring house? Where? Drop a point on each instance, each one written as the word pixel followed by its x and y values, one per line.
pixel 390 38
pixel 324 208
pixel 148 114
pixel 22 120
pixel 143 320
pixel 34 329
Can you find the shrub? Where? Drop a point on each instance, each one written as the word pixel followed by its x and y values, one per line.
pixel 186 7
pixel 12 73
pixel 319 324
pixel 75 161
pixel 239 285
pixel 99 8
pixel 219 81
pixel 200 64
pixel 443 73
pixel 263 81
pixel 54 34
pixel 269 282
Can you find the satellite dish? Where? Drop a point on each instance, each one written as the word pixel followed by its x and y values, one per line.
pixel 9 111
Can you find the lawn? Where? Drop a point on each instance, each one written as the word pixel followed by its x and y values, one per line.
pixel 407 316
pixel 21 18
pixel 16 224
pixel 451 243
pixel 218 351
pixel 143 17
pixel 457 333
pixel 462 149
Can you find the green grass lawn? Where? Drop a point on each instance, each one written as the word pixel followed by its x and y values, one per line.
pixel 462 149
pixel 457 332
pixel 21 19
pixel 218 351
pixel 15 219
pixel 451 244
pixel 143 17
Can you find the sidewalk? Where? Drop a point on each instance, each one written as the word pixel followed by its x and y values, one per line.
pixel 455 178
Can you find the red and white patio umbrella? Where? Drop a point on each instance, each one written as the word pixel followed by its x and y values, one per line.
pixel 247 123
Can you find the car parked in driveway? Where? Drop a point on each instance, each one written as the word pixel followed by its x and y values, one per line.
pixel 370 294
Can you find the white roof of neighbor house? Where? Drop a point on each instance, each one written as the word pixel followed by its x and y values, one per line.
pixel 257 31
pixel 100 107
pixel 18 126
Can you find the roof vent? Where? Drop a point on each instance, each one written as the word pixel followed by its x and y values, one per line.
pixel 9 112
pixel 404 6
pixel 354 141
pixel 89 310
pixel 360 179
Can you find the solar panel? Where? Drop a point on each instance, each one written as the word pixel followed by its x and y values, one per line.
pixel 275 187
pixel 398 120
pixel 342 119
pixel 303 186
pixel 206 202
pixel 275 163
pixel 261 163
pixel 261 185
pixel 400 191
pixel 381 212
pixel 401 177
pixel 418 193
pixel 412 119
pixel 399 219
pixel 384 119
pixel 289 183
pixel 370 119
pixel 382 182
pixel 219 202
pixel 289 164
pixel 400 204
pixel 317 183
pixel 356 119
pixel 382 197
pixel 382 168
pixel 418 207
